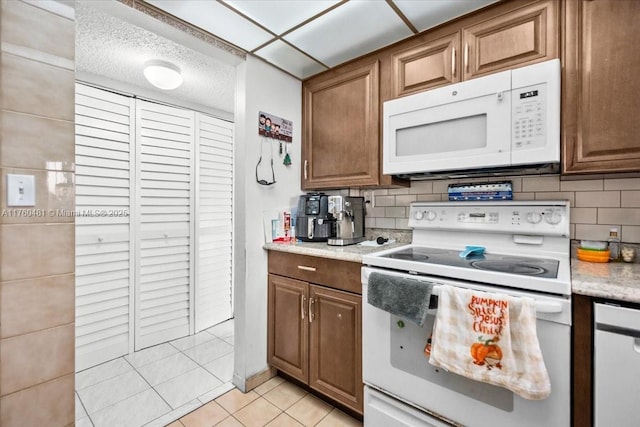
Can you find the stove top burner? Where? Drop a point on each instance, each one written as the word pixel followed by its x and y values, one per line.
pixel 409 257
pixel 516 265
pixel 521 268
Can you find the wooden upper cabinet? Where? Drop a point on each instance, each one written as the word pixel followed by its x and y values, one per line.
pixel 426 65
pixel 341 128
pixel 520 37
pixel 601 59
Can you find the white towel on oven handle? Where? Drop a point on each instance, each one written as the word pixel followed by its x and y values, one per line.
pixel 492 338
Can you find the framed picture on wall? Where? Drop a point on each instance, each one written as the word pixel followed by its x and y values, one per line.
pixel 271 126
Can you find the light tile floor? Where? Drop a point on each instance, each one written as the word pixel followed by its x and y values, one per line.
pixel 189 380
pixel 276 403
pixel 157 385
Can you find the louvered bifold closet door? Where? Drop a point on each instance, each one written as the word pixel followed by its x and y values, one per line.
pixel 214 216
pixel 104 128
pixel 165 139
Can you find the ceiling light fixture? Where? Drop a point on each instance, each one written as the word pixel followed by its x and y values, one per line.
pixel 162 74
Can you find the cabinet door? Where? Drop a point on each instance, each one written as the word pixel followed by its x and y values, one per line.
pixel 600 87
pixel 517 38
pixel 426 66
pixel 287 347
pixel 340 129
pixel 335 344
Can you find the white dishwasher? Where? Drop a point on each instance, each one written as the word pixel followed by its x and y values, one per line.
pixel 616 366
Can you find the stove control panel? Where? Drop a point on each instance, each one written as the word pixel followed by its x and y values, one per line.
pixel 525 217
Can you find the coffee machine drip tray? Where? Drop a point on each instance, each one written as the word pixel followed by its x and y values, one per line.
pixel 333 241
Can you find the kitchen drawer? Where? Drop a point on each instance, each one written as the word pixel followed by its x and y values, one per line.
pixel 337 274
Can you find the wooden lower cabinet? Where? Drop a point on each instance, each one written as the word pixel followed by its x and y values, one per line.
pixel 288 341
pixel 315 335
pixel 335 345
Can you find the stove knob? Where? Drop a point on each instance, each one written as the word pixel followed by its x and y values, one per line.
pixel 431 215
pixel 554 218
pixel 534 217
pixel 418 215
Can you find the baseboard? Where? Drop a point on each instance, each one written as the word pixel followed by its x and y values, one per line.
pixel 248 384
pixel 259 378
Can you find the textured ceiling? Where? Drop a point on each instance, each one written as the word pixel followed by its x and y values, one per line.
pixel 111 47
pixel 301 37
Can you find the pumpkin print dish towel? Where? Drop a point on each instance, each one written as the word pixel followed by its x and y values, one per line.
pixel 491 338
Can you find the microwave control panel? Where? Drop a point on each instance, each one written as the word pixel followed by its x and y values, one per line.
pixel 529 128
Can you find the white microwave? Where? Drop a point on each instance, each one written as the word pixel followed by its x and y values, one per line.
pixel 502 122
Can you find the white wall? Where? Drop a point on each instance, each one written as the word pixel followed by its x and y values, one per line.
pixel 260 87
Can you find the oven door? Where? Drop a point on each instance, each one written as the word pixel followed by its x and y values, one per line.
pixel 393 361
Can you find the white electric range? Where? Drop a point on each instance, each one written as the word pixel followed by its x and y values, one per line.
pixel 526 248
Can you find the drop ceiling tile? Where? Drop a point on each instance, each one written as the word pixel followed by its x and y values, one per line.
pixel 284 56
pixel 427 14
pixel 350 30
pixel 217 19
pixel 280 16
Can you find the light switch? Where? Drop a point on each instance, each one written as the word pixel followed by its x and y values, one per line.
pixel 21 190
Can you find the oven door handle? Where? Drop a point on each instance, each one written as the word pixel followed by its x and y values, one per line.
pixel 541 306
pixel 548 307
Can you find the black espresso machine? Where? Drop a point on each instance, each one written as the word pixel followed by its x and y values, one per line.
pixel 314 223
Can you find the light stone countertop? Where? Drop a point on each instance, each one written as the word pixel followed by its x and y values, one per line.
pixel 617 281
pixel 612 280
pixel 345 253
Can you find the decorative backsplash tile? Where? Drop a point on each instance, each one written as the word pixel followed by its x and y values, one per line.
pixel 596 204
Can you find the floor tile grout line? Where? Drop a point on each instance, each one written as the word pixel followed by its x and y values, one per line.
pixel 135 369
pixel 153 361
pixel 135 394
pixel 153 388
pixel 81 402
pixel 169 379
pixel 211 361
pixel 120 400
pixel 326 415
pixel 195 345
pixel 106 379
pixel 85 409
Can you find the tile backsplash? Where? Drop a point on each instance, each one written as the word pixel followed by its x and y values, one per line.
pixel 596 204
